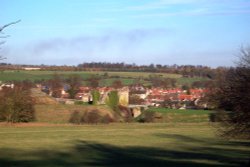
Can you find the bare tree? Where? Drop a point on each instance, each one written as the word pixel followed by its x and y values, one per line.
pixel 56 86
pixel 233 97
pixel 5 36
pixel 74 81
pixel 244 57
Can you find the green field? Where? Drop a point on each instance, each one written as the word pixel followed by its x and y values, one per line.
pixel 38 75
pixel 183 112
pixel 175 115
pixel 107 78
pixel 165 144
pixel 109 82
pixel 189 81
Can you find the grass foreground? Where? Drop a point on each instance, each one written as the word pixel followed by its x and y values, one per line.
pixel 119 144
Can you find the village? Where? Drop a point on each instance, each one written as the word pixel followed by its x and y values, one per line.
pixel 175 98
pixel 137 96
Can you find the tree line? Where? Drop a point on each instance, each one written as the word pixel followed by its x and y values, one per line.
pixel 184 70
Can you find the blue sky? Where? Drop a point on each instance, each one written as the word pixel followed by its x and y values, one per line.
pixel 70 32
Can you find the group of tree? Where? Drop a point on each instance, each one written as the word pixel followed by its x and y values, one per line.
pixel 231 97
pixel 185 70
pixel 70 83
pixel 16 103
pixel 74 82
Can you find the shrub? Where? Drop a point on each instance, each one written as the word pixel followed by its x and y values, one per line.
pixel 218 116
pixel 113 100
pixel 75 117
pixel 107 119
pixel 91 117
pixel 16 105
pixel 96 96
pixel 147 117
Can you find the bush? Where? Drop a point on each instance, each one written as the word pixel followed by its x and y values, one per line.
pixel 218 116
pixel 92 117
pixel 89 117
pixel 147 117
pixel 113 101
pixel 75 117
pixel 96 96
pixel 106 119
pixel 16 105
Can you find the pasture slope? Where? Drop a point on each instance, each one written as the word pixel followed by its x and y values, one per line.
pixel 127 78
pixel 38 75
pixel 119 144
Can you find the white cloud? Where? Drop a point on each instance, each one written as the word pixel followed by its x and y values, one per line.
pixel 190 8
pixel 112 45
pixel 161 4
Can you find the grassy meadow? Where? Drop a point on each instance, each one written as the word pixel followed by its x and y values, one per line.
pixel 52 141
pixel 119 144
pixel 127 78
pixel 38 75
pixel 188 115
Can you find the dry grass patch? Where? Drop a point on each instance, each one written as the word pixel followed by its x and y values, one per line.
pixel 61 113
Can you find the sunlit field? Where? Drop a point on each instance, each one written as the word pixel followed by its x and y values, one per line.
pixel 127 78
pixel 38 75
pixel 122 144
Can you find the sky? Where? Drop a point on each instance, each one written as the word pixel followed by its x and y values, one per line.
pixel 167 32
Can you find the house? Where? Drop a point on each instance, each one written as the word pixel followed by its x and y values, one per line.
pixel 139 91
pixel 185 97
pixel 31 68
pixel 123 94
pixel 7 85
pixel 84 94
